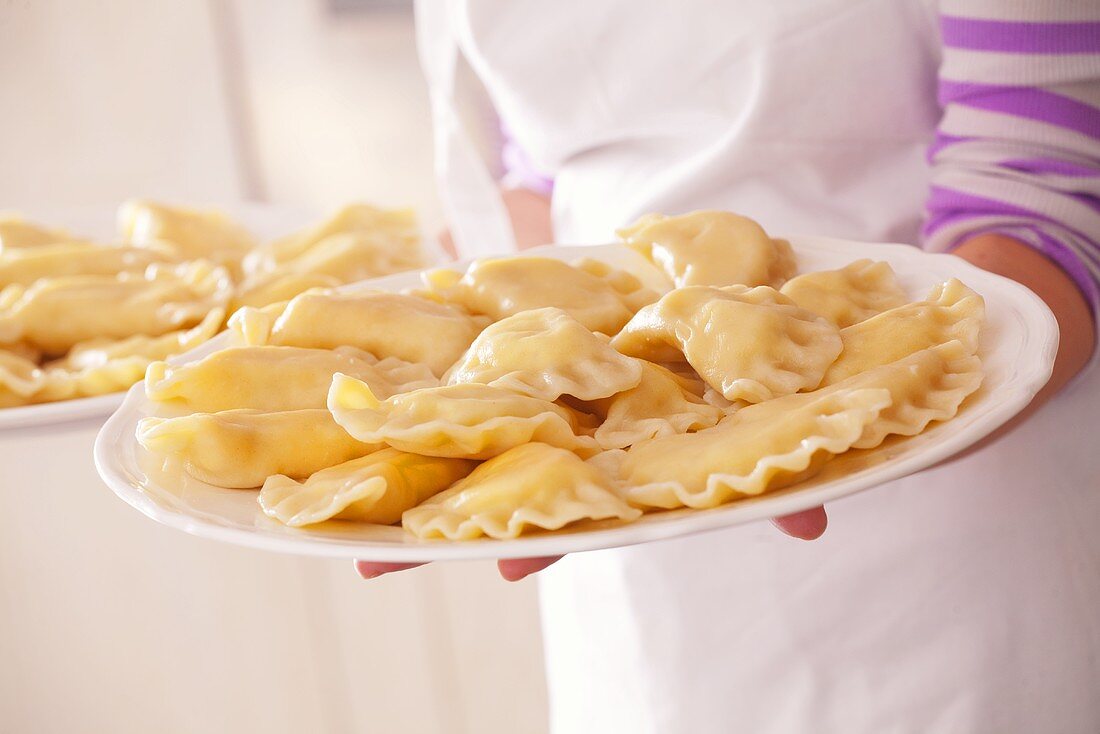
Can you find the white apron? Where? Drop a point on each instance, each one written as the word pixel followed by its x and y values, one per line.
pixel 965 599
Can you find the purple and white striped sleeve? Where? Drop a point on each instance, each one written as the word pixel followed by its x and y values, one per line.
pixel 1018 149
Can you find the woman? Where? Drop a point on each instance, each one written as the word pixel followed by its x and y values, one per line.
pixel 960 600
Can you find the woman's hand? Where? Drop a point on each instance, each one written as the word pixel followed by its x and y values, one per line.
pixel 1013 259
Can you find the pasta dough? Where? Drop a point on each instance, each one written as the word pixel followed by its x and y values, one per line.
pixel 240 449
pixel 269 288
pixel 711 248
pixel 783 441
pixel 468 421
pixel 951 311
pixel 376 488
pixel 104 366
pixel 760 447
pixel 750 344
pixel 386 324
pixel 546 353
pixel 395 232
pixel 338 259
pixel 849 295
pixel 355 256
pixel 57 313
pixel 24 267
pixel 661 405
pixel 533 486
pixel 630 289
pixel 196 234
pixel 275 378
pixel 506 286
pixel 17 233
pixel 251 326
pixel 20 379
pixel 98 352
pixel 925 386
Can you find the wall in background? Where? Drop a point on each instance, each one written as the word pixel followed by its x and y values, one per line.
pixel 334 105
pixel 100 100
pixel 110 623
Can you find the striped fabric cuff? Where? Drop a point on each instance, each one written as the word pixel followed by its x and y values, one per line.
pixel 956 216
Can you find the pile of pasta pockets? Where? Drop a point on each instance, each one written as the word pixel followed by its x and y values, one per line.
pixel 526 395
pixel 81 317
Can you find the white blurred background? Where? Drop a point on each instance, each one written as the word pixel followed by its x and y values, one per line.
pixel 109 623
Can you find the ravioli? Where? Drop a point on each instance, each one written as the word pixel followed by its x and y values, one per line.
pixel 787 440
pixel 662 404
pixel 205 234
pixel 353 256
pixel 926 386
pixel 336 260
pixel 467 421
pixel 277 287
pixel 102 366
pixel 17 233
pixel 250 326
pixel 750 344
pixel 950 312
pixel 545 353
pixel 848 295
pixel 24 267
pixel 395 234
pixel 630 289
pixel 25 351
pixel 530 487
pixel 20 379
pixel 97 352
pixel 55 314
pixel 240 449
pixel 504 287
pixel 712 248
pixel 385 324
pixel 375 488
pixel 759 448
pixel 276 378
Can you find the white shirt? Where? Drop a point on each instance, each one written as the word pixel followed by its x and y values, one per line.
pixel 960 600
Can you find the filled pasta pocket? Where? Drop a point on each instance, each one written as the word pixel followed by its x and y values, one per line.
pixel 240 449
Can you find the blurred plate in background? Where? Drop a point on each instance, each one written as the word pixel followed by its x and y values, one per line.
pixel 98 223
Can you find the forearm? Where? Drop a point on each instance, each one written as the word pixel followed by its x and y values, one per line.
pixel 1013 259
pixel 530 214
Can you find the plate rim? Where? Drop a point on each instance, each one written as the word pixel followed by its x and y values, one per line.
pixel 1039 339
pixel 59 412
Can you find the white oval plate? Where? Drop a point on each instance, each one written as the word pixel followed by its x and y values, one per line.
pixel 98 223
pixel 1018 347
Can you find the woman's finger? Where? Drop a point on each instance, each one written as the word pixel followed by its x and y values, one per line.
pixel 514 569
pixel 805 525
pixel 374 569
